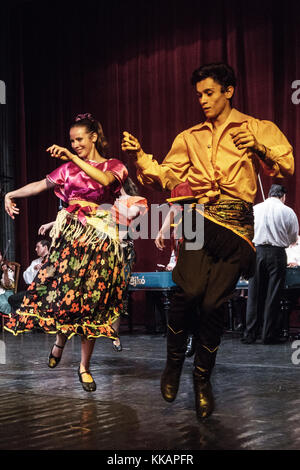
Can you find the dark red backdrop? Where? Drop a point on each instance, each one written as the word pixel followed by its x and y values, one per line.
pixel 129 63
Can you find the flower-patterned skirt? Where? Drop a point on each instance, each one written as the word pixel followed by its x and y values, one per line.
pixel 79 289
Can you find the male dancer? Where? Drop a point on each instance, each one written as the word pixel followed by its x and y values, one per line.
pixel 219 160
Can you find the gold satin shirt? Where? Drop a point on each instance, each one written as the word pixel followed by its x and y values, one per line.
pixel 214 167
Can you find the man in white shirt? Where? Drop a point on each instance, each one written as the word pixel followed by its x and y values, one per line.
pixel 293 254
pixel 42 250
pixel 7 283
pixel 275 228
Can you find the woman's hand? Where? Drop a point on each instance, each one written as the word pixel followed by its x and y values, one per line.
pixel 10 206
pixel 131 144
pixel 160 241
pixel 45 227
pixel 31 189
pixel 60 152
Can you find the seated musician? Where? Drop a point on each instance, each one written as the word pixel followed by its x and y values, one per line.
pixel 42 249
pixel 293 254
pixel 7 285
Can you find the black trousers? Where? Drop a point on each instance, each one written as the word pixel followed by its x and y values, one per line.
pixel 264 291
pixel 15 300
pixel 206 282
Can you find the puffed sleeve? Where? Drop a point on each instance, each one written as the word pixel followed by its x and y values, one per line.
pixel 279 160
pixel 119 171
pixel 171 172
pixel 58 177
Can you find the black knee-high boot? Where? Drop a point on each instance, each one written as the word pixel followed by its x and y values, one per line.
pixel 204 362
pixel 176 348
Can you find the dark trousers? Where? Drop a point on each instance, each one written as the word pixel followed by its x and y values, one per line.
pixel 206 283
pixel 15 300
pixel 264 291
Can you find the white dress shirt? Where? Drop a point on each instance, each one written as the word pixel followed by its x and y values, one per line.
pixel 293 253
pixel 274 223
pixel 172 262
pixel 11 277
pixel 30 272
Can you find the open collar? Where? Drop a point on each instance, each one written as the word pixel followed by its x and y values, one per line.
pixel 234 117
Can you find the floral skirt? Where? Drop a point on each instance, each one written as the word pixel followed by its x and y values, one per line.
pixel 79 289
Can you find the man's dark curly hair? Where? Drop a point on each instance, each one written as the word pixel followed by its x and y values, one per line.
pixel 220 72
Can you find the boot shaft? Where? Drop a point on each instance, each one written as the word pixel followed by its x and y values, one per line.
pixel 176 342
pixel 204 360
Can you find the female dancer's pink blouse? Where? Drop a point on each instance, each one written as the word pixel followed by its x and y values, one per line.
pixel 72 183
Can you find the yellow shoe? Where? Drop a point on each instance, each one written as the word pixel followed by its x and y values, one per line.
pixel 53 361
pixel 89 386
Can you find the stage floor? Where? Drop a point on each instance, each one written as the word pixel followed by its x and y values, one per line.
pixel 257 391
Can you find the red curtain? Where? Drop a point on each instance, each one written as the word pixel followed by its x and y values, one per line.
pixel 129 64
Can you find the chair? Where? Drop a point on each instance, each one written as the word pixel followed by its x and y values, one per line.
pixel 17 274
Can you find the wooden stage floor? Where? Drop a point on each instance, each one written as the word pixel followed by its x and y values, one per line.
pixel 257 391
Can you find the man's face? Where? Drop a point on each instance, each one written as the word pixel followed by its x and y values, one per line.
pixel 213 101
pixel 41 250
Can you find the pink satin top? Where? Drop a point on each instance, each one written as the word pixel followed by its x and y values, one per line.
pixel 72 183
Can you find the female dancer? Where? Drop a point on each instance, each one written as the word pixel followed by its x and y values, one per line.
pixel 128 206
pixel 79 288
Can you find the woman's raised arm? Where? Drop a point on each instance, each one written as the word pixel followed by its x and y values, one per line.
pixel 103 177
pixel 31 189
